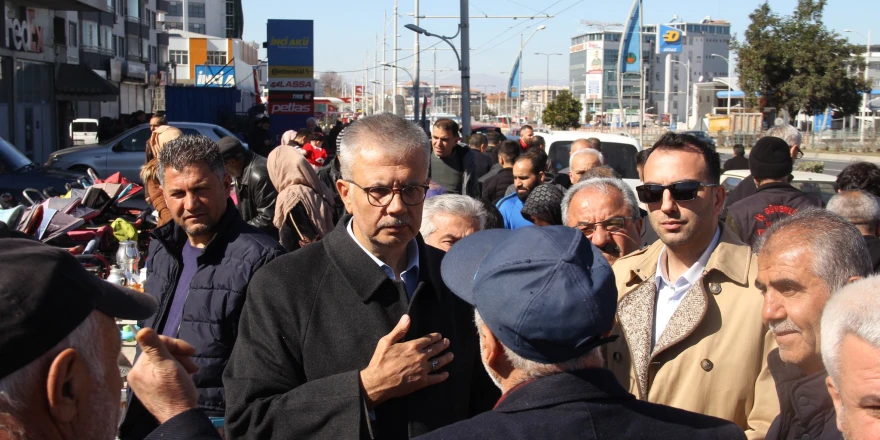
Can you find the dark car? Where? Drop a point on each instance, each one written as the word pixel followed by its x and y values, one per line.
pixel 703 136
pixel 18 173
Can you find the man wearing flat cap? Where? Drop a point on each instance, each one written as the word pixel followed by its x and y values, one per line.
pixel 59 344
pixel 545 301
pixel 770 163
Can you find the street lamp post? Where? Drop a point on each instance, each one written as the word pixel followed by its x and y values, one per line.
pixel 411 80
pixel 481 99
pixel 865 96
pixel 547 84
pixel 687 95
pixel 729 86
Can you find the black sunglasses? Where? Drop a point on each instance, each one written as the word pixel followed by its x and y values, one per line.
pixel 680 191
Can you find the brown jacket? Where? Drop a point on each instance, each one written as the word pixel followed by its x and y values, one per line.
pixel 712 356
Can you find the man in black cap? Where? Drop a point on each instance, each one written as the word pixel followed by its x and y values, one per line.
pixel 59 345
pixel 545 301
pixel 770 163
pixel 253 188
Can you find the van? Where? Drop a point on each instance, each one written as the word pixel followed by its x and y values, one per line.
pixel 619 150
pixel 84 131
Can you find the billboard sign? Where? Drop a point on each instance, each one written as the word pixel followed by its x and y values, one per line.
pixel 594 60
pixel 594 85
pixel 215 76
pixel 291 52
pixel 292 84
pixel 669 39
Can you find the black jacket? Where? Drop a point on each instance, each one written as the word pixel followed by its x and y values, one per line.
pixel 210 320
pixel 311 324
pixel 257 142
pixel 257 195
pixel 470 186
pixel 750 217
pixel 805 407
pixel 587 404
pixel 736 163
pixel 482 162
pixel 874 250
pixel 188 425
pixel 744 189
pixel 495 187
pixel 563 179
pixel 328 175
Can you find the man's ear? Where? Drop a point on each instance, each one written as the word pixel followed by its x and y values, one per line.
pixel 67 385
pixel 491 346
pixel 345 193
pixel 835 398
pixel 227 183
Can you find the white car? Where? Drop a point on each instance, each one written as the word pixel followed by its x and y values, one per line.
pixel 619 150
pixel 818 185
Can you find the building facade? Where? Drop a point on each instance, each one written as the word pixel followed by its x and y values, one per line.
pixel 215 18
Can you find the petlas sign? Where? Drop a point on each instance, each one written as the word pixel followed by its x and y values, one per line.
pixel 290 108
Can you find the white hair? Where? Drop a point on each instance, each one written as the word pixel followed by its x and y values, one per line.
pixel 452 204
pixel 387 132
pixel 534 370
pixel 854 309
pixel 585 152
pixel 786 132
pixel 605 185
pixel 857 206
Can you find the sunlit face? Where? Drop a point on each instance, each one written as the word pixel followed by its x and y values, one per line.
pixel 683 223
pixel 196 197
pixel 856 394
pixel 580 164
pixel 793 300
pixel 155 123
pixel 449 229
pixel 526 135
pixel 442 141
pixel 524 178
pixel 394 225
pixel 590 206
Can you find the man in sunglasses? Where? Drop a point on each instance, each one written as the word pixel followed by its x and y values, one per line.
pixel 689 312
pixel 605 210
pixel 357 336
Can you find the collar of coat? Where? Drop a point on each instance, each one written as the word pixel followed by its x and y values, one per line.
pixel 792 387
pixel 592 384
pixel 250 158
pixel 173 236
pixel 361 272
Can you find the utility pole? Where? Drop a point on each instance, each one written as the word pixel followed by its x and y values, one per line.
pixel 434 87
pixel 465 71
pixel 375 73
pixel 417 84
pixel 384 51
pixel 394 56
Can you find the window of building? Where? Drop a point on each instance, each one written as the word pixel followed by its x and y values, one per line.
pixel 178 56
pixel 132 9
pixel 152 20
pixel 173 25
pixel 72 34
pixel 216 58
pixel 153 58
pixel 197 10
pixel 120 46
pixel 230 23
pixel 175 9
pixel 230 8
pixel 145 48
pixel 106 37
pixel 89 33
pixel 198 28
pixel 134 46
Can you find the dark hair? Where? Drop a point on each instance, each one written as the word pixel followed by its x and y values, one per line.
pixel 509 150
pixel 527 126
pixel 316 136
pixel 189 150
pixel 595 144
pixel 864 176
pixel 681 141
pixel 538 158
pixel 739 150
pixel 447 125
pixel 642 156
pixel 537 141
pixel 477 140
pixel 493 137
pixel 494 219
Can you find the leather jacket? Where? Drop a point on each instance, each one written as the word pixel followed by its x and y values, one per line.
pixel 257 195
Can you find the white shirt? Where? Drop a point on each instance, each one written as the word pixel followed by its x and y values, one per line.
pixel 410 276
pixel 669 294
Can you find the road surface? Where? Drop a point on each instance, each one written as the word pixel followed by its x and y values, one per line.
pixel 832 167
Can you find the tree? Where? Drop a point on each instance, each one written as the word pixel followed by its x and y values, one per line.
pixel 563 112
pixel 332 83
pixel 795 63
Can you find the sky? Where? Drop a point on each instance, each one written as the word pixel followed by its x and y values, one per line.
pixel 346 31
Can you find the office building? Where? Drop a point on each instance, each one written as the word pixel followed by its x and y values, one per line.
pixel 215 18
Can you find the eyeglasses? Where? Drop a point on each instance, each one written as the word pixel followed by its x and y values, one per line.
pixel 381 196
pixel 611 225
pixel 680 191
pixel 799 154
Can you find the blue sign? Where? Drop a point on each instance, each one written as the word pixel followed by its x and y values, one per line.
pixel 290 43
pixel 669 39
pixel 631 49
pixel 290 47
pixel 513 83
pixel 215 76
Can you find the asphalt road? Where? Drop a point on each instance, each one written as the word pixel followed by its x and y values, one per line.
pixel 832 167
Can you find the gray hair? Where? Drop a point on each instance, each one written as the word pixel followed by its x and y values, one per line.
pixel 534 370
pixel 854 309
pixel 390 133
pixel 587 151
pixel 786 132
pixel 191 150
pixel 857 206
pixel 17 388
pixel 453 204
pixel 606 185
pixel 839 249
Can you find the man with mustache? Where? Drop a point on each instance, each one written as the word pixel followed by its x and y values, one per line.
pixel 356 336
pixel 802 261
pixel 528 173
pixel 688 310
pixel 605 210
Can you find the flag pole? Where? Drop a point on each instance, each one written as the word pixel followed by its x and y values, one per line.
pixel 641 77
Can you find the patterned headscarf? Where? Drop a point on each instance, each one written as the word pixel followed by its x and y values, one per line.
pixel 544 202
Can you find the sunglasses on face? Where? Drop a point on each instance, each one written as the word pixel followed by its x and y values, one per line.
pixel 680 191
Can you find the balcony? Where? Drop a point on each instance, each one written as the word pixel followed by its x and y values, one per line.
pixel 97 50
pixel 137 26
pixel 162 6
pixel 161 38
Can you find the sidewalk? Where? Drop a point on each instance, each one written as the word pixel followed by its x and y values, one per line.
pixel 824 155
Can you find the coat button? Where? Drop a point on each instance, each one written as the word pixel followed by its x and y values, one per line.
pixel 616 356
pixel 715 288
pixel 707 365
pixel 804 401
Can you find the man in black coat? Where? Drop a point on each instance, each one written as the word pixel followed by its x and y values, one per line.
pixel 258 139
pixel 198 269
pixel 255 192
pixel 549 364
pixel 356 336
pixel 738 161
pixel 453 165
pixel 495 185
pixel 483 162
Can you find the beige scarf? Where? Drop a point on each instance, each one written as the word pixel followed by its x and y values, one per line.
pixel 297 182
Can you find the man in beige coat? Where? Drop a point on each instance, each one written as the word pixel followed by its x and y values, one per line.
pixel 688 312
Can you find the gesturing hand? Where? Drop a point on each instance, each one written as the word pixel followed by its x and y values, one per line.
pixel 161 376
pixel 400 368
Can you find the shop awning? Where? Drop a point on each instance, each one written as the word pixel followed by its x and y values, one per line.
pixel 76 82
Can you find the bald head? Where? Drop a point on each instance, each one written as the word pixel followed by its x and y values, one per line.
pixel 583 161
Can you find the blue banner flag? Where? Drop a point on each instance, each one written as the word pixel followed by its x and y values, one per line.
pixel 668 39
pixel 631 49
pixel 513 83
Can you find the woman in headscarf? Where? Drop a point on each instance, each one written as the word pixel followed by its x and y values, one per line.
pixel 289 138
pixel 312 125
pixel 543 207
pixel 304 208
pixel 150 171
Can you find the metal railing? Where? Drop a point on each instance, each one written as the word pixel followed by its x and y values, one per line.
pixel 97 49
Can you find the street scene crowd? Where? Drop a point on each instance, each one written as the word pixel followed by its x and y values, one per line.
pixel 378 282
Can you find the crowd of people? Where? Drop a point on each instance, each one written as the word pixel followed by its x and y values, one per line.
pixel 401 285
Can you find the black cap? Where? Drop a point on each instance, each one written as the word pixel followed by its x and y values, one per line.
pixel 45 293
pixel 770 158
pixel 229 146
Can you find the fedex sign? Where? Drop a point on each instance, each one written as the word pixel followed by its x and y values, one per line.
pixel 291 84
pixel 290 108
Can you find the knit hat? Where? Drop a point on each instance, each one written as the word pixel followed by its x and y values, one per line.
pixel 544 202
pixel 770 158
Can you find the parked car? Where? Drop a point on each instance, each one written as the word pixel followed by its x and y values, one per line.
pixel 619 150
pixel 703 136
pixel 83 132
pixel 18 173
pixel 123 153
pixel 816 185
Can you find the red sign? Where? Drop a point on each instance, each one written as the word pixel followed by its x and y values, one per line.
pixel 291 96
pixel 359 90
pixel 292 84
